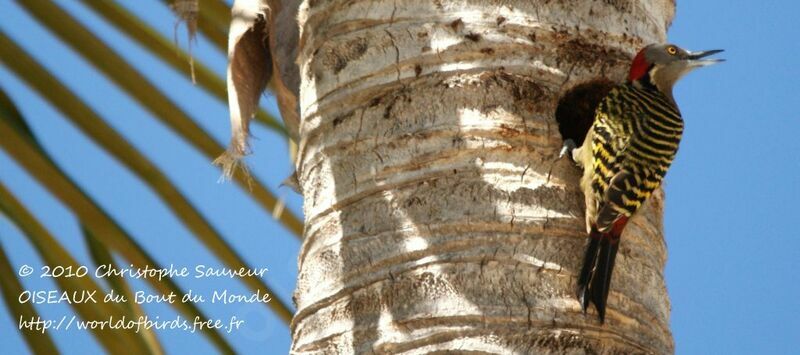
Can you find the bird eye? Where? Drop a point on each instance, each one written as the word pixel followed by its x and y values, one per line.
pixel 672 50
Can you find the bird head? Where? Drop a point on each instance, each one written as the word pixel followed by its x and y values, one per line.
pixel 661 65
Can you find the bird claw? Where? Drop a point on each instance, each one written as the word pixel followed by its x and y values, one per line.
pixel 292 183
pixel 568 146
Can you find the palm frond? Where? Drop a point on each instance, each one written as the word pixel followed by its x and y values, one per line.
pixel 23 148
pixel 51 251
pixel 216 11
pixel 99 131
pixel 136 85
pixel 196 15
pixel 102 256
pixel 38 342
pixel 149 38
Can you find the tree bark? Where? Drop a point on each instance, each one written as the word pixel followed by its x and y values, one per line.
pixel 438 217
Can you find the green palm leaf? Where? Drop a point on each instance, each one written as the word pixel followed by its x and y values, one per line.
pixel 115 341
pixel 207 15
pixel 113 142
pixel 21 146
pixel 39 342
pixel 104 237
pixel 134 83
pixel 216 12
pixel 158 45
pixel 102 256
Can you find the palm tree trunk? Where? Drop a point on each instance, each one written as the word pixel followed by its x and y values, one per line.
pixel 437 214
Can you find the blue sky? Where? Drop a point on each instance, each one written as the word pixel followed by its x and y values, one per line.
pixel 731 195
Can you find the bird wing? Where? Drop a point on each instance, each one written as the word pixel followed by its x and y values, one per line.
pixel 634 180
pixel 608 149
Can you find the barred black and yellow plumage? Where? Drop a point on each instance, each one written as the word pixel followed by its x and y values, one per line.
pixel 626 154
pixel 634 139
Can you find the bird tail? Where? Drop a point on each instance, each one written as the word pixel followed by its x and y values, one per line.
pixel 598 264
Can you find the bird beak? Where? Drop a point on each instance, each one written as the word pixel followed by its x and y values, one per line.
pixel 695 59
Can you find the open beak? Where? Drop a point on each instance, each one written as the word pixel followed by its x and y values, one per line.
pixel 695 59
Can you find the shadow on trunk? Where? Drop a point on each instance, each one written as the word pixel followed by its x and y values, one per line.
pixel 438 216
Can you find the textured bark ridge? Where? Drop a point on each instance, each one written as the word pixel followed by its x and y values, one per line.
pixel 437 215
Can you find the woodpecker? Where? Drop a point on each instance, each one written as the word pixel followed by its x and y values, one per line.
pixel 625 155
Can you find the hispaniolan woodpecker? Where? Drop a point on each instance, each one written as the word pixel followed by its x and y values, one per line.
pixel 626 153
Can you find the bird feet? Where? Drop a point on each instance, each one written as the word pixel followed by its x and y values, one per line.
pixel 567 148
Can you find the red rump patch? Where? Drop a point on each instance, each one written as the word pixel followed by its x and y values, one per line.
pixel 639 66
pixel 618 226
